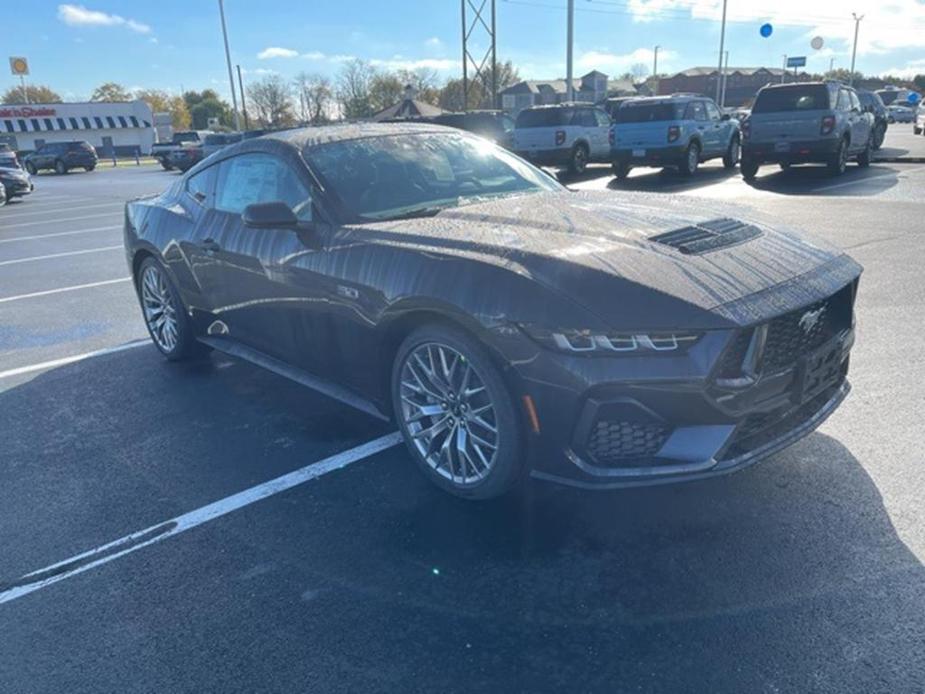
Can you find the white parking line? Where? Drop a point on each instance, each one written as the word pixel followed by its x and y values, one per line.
pixel 855 182
pixel 64 361
pixel 33 213
pixel 76 565
pixel 63 220
pixel 59 255
pixel 46 292
pixel 60 233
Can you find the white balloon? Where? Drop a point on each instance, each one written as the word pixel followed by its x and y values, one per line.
pixel 817 43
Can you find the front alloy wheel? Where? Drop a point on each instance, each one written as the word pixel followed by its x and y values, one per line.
pixel 579 161
pixel 456 414
pixel 165 317
pixel 691 160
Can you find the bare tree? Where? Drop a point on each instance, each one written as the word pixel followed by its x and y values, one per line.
pixel 316 97
pixel 353 87
pixel 37 93
pixel 271 100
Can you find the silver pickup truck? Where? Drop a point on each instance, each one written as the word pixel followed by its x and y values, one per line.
pixel 809 122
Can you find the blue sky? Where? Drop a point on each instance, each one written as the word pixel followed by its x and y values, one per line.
pixel 169 44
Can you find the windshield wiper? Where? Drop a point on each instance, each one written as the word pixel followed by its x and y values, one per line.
pixel 425 211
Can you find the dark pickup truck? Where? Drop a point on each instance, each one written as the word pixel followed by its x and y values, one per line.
pixel 162 151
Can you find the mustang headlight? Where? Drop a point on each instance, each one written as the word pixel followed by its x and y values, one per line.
pixel 615 343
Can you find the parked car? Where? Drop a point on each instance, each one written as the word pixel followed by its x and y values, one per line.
pixel 679 131
pixel 14 181
pixel 919 126
pixel 897 113
pixel 185 156
pixel 872 103
pixel 820 122
pixel 509 325
pixel 162 150
pixel 215 141
pixel 62 157
pixel 563 135
pixel 496 126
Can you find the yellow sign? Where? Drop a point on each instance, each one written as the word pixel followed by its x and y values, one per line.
pixel 19 65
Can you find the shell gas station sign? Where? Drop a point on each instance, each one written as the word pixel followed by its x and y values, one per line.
pixel 19 66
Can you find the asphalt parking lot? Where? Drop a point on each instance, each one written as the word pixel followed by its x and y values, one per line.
pixel 351 573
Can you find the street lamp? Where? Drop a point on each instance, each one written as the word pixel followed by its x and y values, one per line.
pixel 568 51
pixel 234 101
pixel 722 41
pixel 655 71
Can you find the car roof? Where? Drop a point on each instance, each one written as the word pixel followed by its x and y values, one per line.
pixel 565 104
pixel 324 134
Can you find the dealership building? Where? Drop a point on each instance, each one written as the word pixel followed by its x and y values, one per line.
pixel 120 128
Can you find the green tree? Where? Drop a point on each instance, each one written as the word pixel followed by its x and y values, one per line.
pixel 37 93
pixel 205 105
pixel 919 82
pixel 110 91
pixel 160 102
pixel 385 89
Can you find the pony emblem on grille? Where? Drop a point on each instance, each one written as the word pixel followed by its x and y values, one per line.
pixel 810 319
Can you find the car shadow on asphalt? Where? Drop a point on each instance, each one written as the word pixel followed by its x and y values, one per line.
pixel 816 180
pixel 657 180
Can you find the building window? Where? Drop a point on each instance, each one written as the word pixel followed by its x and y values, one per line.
pixel 122 123
pixel 98 121
pixel 35 124
pixel 74 125
pixel 134 121
pixel 110 122
pixel 61 124
pixel 48 125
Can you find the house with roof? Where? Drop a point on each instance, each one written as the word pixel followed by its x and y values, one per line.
pixel 742 83
pixel 408 107
pixel 591 88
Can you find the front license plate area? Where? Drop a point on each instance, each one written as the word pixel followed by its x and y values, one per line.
pixel 819 370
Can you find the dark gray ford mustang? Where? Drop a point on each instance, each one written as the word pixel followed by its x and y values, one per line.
pixel 508 325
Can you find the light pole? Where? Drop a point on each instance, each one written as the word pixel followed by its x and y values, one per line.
pixel 655 71
pixel 854 51
pixel 722 94
pixel 234 101
pixel 243 105
pixel 783 72
pixel 722 41
pixel 831 66
pixel 569 95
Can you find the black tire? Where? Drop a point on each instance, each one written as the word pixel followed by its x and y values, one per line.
pixel 508 465
pixel 865 157
pixel 879 135
pixel 30 168
pixel 166 166
pixel 60 168
pixel 733 154
pixel 89 168
pixel 621 169
pixel 839 160
pixel 186 346
pixel 784 165
pixel 749 169
pixel 578 161
pixel 691 160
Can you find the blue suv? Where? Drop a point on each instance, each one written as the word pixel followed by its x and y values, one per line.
pixel 679 131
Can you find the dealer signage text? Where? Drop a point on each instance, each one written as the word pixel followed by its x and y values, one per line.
pixel 26 112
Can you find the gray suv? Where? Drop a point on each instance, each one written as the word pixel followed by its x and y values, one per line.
pixel 821 122
pixel 564 135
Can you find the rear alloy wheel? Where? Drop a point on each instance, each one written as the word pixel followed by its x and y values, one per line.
pixel 839 160
pixel 879 135
pixel 733 153
pixel 691 160
pixel 579 161
pixel 60 168
pixel 30 167
pixel 621 169
pixel 165 317
pixel 749 169
pixel 456 414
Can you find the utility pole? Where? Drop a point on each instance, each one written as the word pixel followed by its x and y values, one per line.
pixel 854 51
pixel 234 101
pixel 25 93
pixel 722 42
pixel 484 75
pixel 655 72
pixel 783 73
pixel 569 89
pixel 722 94
pixel 243 105
pixel 831 65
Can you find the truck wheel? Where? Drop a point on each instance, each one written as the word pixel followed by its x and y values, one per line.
pixel 865 157
pixel 749 168
pixel 30 167
pixel 691 160
pixel 579 160
pixel 621 169
pixel 731 158
pixel 60 168
pixel 879 135
pixel 839 161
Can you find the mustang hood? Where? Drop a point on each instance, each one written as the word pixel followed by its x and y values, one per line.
pixel 614 253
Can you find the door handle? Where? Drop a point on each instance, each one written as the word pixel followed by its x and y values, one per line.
pixel 210 246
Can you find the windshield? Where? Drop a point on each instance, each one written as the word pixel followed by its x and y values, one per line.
pixel 416 175
pixel 804 97
pixel 544 117
pixel 631 112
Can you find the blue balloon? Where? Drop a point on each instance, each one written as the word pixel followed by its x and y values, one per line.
pixel 913 98
pixel 766 30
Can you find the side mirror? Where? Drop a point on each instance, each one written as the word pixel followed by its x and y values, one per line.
pixel 725 116
pixel 272 215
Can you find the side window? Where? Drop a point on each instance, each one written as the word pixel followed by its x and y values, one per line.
pixel 844 102
pixel 695 111
pixel 712 111
pixel 603 120
pixel 855 102
pixel 202 185
pixel 252 178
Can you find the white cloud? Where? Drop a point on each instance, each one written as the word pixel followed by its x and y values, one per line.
pixel 615 64
pixel 886 25
pixel 277 52
pixel 259 71
pixel 78 15
pixel 910 70
pixel 400 63
pixel 314 55
pixel 433 42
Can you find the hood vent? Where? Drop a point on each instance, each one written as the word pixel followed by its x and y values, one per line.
pixel 708 236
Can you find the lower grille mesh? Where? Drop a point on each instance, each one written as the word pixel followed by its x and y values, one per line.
pixel 615 443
